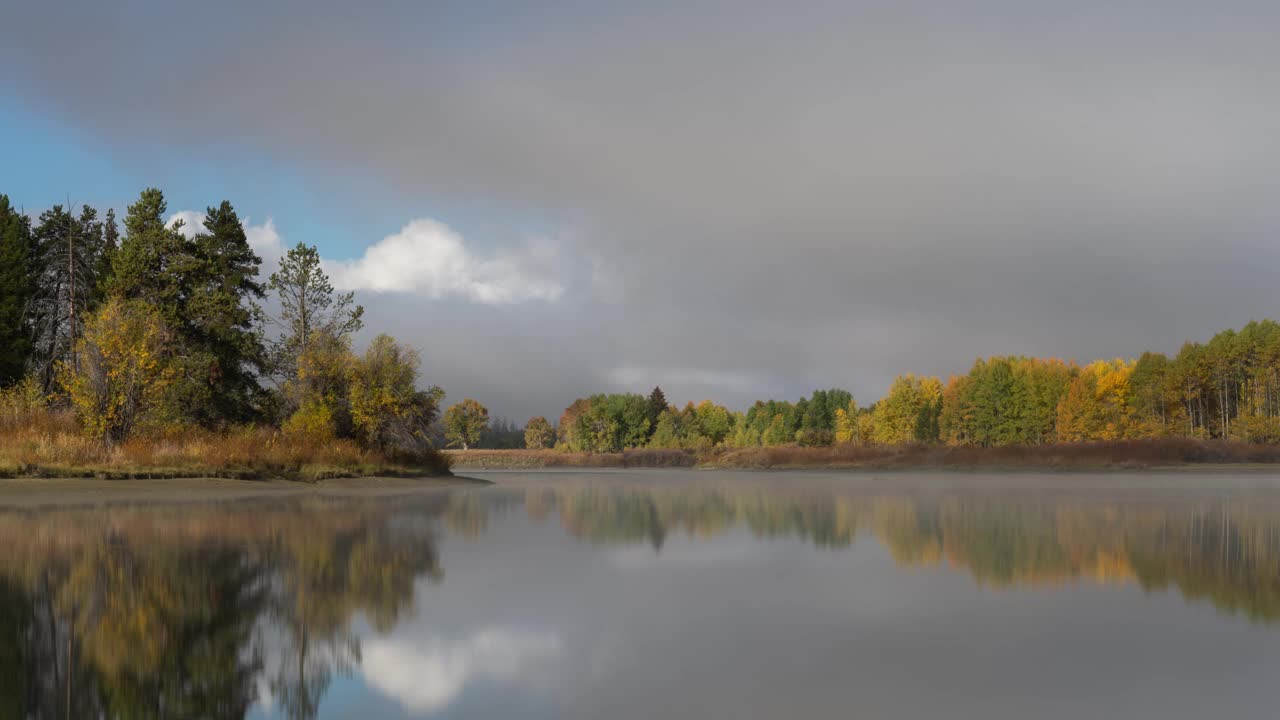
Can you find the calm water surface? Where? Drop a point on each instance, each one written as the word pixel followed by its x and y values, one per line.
pixel 658 594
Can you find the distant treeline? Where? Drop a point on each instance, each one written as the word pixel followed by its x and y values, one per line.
pixel 1228 388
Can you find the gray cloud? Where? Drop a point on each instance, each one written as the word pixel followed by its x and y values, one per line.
pixel 772 197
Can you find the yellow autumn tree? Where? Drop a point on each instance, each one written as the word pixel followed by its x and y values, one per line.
pixel 1098 404
pixel 320 390
pixel 1115 399
pixel 846 427
pixel 1076 410
pixel 387 409
pixel 909 412
pixel 866 424
pixel 121 369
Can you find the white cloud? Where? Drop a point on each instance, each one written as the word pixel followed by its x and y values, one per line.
pixel 266 242
pixel 428 258
pixel 264 239
pixel 192 221
pixel 427 676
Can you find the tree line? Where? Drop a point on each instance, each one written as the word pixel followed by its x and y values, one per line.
pixel 1227 388
pixel 144 326
pixel 154 328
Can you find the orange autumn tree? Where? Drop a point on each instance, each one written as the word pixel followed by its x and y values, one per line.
pixel 1099 403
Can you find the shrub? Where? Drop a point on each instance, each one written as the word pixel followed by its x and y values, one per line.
pixel 312 423
pixel 122 372
pixel 815 438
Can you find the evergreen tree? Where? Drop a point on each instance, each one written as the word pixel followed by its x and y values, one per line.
pixel 107 254
pixel 220 288
pixel 64 265
pixel 16 291
pixel 204 287
pixel 657 404
pixel 308 304
pixel 148 262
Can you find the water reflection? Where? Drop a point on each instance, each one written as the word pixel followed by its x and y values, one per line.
pixel 206 610
pixel 1220 546
pixel 183 612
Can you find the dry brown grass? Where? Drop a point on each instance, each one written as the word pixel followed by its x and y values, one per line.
pixel 518 459
pixel 1119 454
pixel 1116 454
pixel 48 443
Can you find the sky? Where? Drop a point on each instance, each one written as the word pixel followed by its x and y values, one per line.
pixel 733 201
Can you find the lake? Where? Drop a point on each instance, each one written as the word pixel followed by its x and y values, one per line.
pixel 651 594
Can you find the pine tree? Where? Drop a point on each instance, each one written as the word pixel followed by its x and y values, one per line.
pixel 219 277
pixel 657 403
pixel 146 264
pixel 106 255
pixel 16 291
pixel 307 305
pixel 64 265
pixel 204 288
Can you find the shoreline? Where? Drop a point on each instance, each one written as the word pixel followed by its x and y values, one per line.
pixel 1116 456
pixel 31 493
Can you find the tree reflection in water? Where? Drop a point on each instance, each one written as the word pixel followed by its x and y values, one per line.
pixel 176 612
pixel 193 611
pixel 1217 547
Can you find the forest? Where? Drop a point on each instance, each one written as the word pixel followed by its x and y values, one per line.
pixel 141 343
pixel 1227 388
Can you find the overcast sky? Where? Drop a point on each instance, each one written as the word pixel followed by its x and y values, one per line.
pixel 732 200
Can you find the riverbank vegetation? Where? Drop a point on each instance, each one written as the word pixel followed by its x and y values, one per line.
pixel 159 351
pixel 1115 455
pixel 1212 402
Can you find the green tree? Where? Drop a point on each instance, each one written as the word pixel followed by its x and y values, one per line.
pixel 657 404
pixel 219 275
pixel 464 421
pixel 204 285
pixel 612 423
pixel 714 422
pixel 666 432
pixel 308 304
pixel 16 291
pixel 143 268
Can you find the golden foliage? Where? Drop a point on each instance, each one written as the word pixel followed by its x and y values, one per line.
pixel 312 423
pixel 120 371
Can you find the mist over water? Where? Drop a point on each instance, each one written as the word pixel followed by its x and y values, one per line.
pixel 658 594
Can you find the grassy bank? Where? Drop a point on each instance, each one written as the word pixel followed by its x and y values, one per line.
pixel 51 445
pixel 1122 454
pixel 524 459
